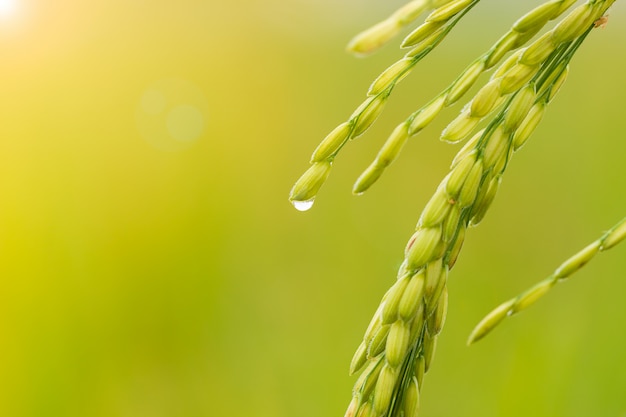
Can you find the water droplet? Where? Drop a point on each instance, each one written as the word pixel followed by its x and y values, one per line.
pixel 303 205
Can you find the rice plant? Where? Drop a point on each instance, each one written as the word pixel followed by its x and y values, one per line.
pixel 528 69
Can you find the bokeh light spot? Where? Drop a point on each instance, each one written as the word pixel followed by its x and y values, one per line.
pixel 153 102
pixel 185 123
pixel 172 114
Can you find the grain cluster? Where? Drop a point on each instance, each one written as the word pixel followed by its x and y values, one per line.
pixel 399 344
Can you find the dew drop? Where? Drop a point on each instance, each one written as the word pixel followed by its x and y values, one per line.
pixel 303 205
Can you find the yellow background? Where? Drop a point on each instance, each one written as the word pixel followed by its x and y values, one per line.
pixel 151 265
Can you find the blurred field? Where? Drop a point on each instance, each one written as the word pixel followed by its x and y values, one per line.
pixel 151 265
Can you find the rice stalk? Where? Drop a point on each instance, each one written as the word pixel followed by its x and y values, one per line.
pixel 527 65
pixel 513 72
pixel 380 90
pixel 513 306
pixel 399 345
pixel 373 38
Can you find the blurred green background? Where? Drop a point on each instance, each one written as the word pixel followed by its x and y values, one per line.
pixel 151 265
